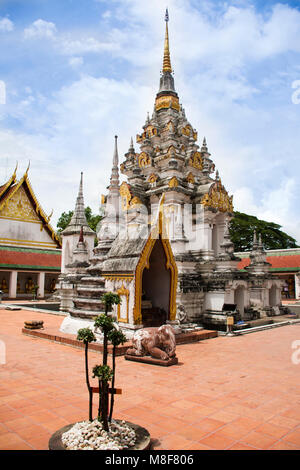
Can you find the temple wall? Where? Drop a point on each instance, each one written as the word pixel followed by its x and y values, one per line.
pixel 23 233
pixel 214 300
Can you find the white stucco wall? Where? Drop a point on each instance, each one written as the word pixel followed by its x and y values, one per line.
pixel 27 234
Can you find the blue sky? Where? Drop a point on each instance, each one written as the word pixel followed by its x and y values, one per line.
pixel 77 73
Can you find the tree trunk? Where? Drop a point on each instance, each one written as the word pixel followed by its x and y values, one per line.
pixel 88 382
pixel 104 406
pixel 112 384
pixel 100 401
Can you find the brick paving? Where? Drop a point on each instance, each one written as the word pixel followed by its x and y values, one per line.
pixel 225 393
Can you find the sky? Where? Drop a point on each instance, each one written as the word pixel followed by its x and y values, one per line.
pixel 74 74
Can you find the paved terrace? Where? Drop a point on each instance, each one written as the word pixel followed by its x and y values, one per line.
pixel 225 393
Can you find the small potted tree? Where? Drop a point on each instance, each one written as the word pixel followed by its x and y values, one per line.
pixel 87 336
pixel 34 291
pixel 104 432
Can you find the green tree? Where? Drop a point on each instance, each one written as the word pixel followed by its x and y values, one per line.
pixel 64 221
pixel 92 219
pixel 241 230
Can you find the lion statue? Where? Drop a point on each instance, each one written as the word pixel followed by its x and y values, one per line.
pixel 157 342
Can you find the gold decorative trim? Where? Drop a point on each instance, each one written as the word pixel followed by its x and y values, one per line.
pixel 123 292
pixel 152 178
pixel 190 178
pixel 173 183
pixel 218 198
pixel 196 161
pixel 171 151
pixel 151 131
pixel 128 201
pixel 167 101
pixel 13 242
pixel 125 195
pixel 11 181
pixel 135 201
pixel 186 130
pixel 118 277
pixel 158 231
pixel 144 160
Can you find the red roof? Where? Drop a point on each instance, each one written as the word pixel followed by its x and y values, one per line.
pixel 30 259
pixel 277 262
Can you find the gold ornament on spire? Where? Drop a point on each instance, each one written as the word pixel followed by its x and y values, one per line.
pixel 167 61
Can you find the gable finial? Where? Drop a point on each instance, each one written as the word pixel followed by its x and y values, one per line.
pixel 26 172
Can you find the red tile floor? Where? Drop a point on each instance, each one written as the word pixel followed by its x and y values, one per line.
pixel 226 393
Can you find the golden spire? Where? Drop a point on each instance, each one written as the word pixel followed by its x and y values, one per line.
pixel 167 61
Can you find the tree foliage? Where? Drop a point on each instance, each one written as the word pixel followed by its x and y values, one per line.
pixel 243 225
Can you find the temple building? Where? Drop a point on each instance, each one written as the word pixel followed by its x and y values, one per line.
pixel 285 264
pixel 163 243
pixel 30 251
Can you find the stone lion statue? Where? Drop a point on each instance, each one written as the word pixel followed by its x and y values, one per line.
pixel 157 342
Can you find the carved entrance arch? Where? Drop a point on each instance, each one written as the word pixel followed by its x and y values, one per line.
pixel 157 233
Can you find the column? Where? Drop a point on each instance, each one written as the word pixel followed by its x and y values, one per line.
pixel 12 293
pixel 41 284
pixel 297 286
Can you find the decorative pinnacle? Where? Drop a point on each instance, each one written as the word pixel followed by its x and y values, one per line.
pixel 167 15
pixel 204 145
pixel 167 61
pixel 78 218
pixel 116 156
pixel 114 179
pixel 254 243
pixel 131 148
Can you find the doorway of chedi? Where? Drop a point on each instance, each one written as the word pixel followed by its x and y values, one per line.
pixel 155 284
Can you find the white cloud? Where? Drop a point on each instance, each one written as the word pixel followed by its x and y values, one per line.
pixel 107 14
pixel 84 45
pixel 76 61
pixel 2 92
pixel 39 29
pixel 71 43
pixel 6 24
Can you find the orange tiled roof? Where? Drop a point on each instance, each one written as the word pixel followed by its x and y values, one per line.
pixel 277 262
pixel 27 258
